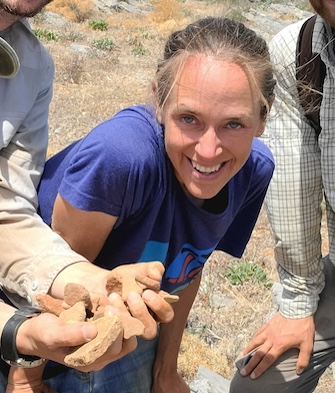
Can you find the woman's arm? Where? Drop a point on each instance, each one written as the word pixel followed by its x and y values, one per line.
pixel 166 377
pixel 86 233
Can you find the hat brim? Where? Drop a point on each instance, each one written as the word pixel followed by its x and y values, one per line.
pixel 9 62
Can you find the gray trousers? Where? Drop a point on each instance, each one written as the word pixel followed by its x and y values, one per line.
pixel 281 376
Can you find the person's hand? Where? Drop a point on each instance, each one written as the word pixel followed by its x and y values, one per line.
pixel 147 306
pixel 27 380
pixel 275 338
pixel 165 382
pixel 138 308
pixel 135 277
pixel 49 337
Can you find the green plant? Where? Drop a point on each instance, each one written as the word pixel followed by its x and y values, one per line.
pixel 101 25
pixel 246 271
pixel 147 36
pixel 47 34
pixel 133 40
pixel 139 50
pixel 104 44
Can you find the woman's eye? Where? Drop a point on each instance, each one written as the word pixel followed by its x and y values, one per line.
pixel 232 124
pixel 187 119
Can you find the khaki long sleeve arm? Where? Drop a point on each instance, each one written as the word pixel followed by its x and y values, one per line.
pixel 31 254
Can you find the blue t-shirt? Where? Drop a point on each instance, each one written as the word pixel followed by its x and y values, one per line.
pixel 121 168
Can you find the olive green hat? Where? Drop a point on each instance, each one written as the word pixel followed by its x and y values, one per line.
pixel 9 62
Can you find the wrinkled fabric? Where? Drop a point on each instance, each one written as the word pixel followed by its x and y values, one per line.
pixel 31 254
pixel 304 167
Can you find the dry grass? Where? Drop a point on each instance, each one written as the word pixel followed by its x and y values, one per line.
pixel 165 11
pixel 227 325
pixel 90 88
pixel 74 10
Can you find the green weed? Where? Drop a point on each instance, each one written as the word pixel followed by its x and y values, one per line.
pixel 104 44
pixel 139 50
pixel 47 34
pixel 101 25
pixel 246 271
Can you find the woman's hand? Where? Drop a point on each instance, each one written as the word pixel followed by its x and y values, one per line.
pixel 144 304
pixel 140 292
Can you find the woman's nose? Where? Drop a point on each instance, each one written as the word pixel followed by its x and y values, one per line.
pixel 208 145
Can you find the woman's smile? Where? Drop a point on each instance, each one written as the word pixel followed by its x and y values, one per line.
pixel 206 170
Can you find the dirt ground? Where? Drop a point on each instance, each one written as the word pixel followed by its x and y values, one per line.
pixel 93 81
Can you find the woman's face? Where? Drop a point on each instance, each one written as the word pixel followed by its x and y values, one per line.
pixel 210 119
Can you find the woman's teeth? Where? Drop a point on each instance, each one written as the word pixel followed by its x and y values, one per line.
pixel 206 170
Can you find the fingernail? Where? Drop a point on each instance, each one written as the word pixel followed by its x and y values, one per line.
pixel 300 370
pixel 90 331
pixel 148 294
pixel 113 296
pixel 253 376
pixel 133 297
pixel 243 372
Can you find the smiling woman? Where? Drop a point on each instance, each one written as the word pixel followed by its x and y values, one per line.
pixel 222 118
pixel 169 182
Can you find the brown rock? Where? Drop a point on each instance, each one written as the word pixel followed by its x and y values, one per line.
pixel 84 308
pixel 74 293
pixel 122 283
pixel 49 304
pixel 131 326
pixel 167 297
pixel 109 328
pixel 76 313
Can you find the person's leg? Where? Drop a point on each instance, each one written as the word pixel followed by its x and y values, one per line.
pixel 130 374
pixel 281 376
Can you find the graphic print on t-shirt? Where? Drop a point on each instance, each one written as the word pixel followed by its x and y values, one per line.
pixel 183 269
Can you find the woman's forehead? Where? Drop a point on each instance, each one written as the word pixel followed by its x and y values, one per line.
pixel 206 77
pixel 212 88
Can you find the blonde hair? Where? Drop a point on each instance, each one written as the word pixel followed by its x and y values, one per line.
pixel 225 39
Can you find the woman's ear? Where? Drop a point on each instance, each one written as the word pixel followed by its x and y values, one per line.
pixel 261 129
pixel 159 115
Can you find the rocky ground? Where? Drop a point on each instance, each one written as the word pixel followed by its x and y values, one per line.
pixel 98 72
